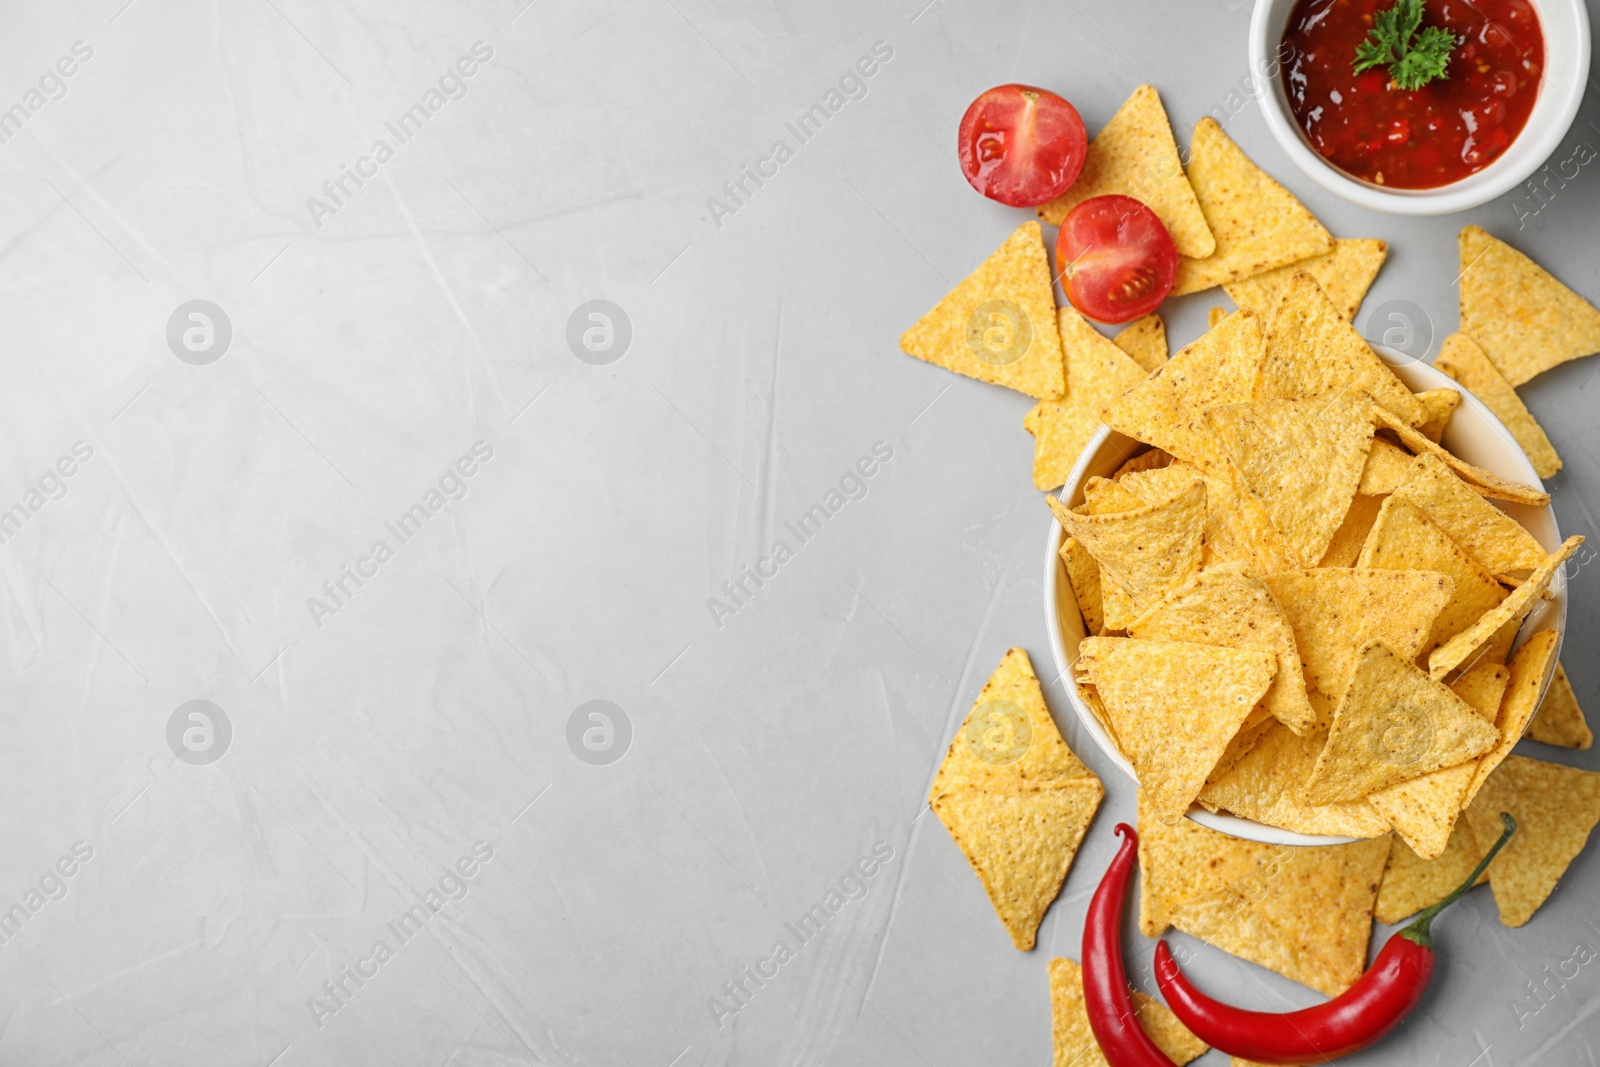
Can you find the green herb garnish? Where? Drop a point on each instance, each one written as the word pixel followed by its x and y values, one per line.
pixel 1414 57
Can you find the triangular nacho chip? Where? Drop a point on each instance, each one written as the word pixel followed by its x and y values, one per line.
pixel 1336 610
pixel 1097 373
pixel 1266 785
pixel 1175 706
pixel 1227 607
pixel 1345 274
pixel 1393 723
pixel 1387 466
pixel 1020 840
pixel 1424 810
pixel 1411 883
pixel 1485 482
pixel 999 325
pixel 1014 797
pixel 1527 669
pixel 1075 1044
pixel 1555 807
pixel 1083 574
pixel 1149 460
pixel 1102 496
pixel 1257 223
pixel 1403 539
pixel 1008 736
pixel 1464 645
pixel 1490 536
pixel 1167 409
pixel 1237 527
pixel 1312 350
pixel 1134 155
pixel 1161 483
pixel 1526 321
pixel 1145 551
pixel 1214 316
pixel 1463 360
pixel 1352 533
pixel 1302 459
pixel 1145 340
pixel 1437 406
pixel 1243 743
pixel 1303 912
pixel 1560 720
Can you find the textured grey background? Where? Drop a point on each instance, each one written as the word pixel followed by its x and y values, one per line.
pixel 769 753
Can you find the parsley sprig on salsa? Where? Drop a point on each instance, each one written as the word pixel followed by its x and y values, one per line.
pixel 1415 56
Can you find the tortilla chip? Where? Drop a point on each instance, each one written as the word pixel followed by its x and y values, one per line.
pixel 1526 321
pixel 1387 466
pixel 1149 460
pixel 1083 574
pixel 1020 839
pixel 999 325
pixel 1460 648
pixel 1214 316
pixel 989 749
pixel 1243 743
pixel 1097 373
pixel 1520 701
pixel 1145 340
pixel 1404 540
pixel 1230 608
pixel 1167 409
pixel 1175 706
pixel 1257 223
pixel 1352 532
pixel 1438 405
pixel 1490 536
pixel 1103 496
pixel 1335 611
pixel 1560 720
pixel 1134 155
pixel 1312 350
pixel 1485 482
pixel 1305 912
pixel 1464 361
pixel 1147 550
pixel 1555 807
pixel 1222 518
pixel 1014 797
pixel 1393 723
pixel 1411 883
pixel 1075 1042
pixel 1345 274
pixel 1424 810
pixel 1267 782
pixel 1302 459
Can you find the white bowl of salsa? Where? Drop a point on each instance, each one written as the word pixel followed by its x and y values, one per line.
pixel 1515 76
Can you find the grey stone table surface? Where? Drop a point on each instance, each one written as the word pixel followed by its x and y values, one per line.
pixel 389 505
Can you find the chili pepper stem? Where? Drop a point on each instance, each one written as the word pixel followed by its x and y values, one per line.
pixel 1419 931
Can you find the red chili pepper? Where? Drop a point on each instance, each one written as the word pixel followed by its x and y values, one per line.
pixel 1354 1019
pixel 1112 1015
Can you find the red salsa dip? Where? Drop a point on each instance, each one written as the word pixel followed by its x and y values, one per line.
pixel 1428 137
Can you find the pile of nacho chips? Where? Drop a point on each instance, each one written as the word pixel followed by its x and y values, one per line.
pixel 1302 609
pixel 1299 604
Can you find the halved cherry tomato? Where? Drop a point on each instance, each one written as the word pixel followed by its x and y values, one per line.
pixel 1021 146
pixel 1116 258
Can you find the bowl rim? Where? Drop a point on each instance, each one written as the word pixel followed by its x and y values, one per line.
pixel 1545 130
pixel 1517 467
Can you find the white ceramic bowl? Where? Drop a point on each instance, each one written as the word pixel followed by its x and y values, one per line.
pixel 1565 24
pixel 1473 433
